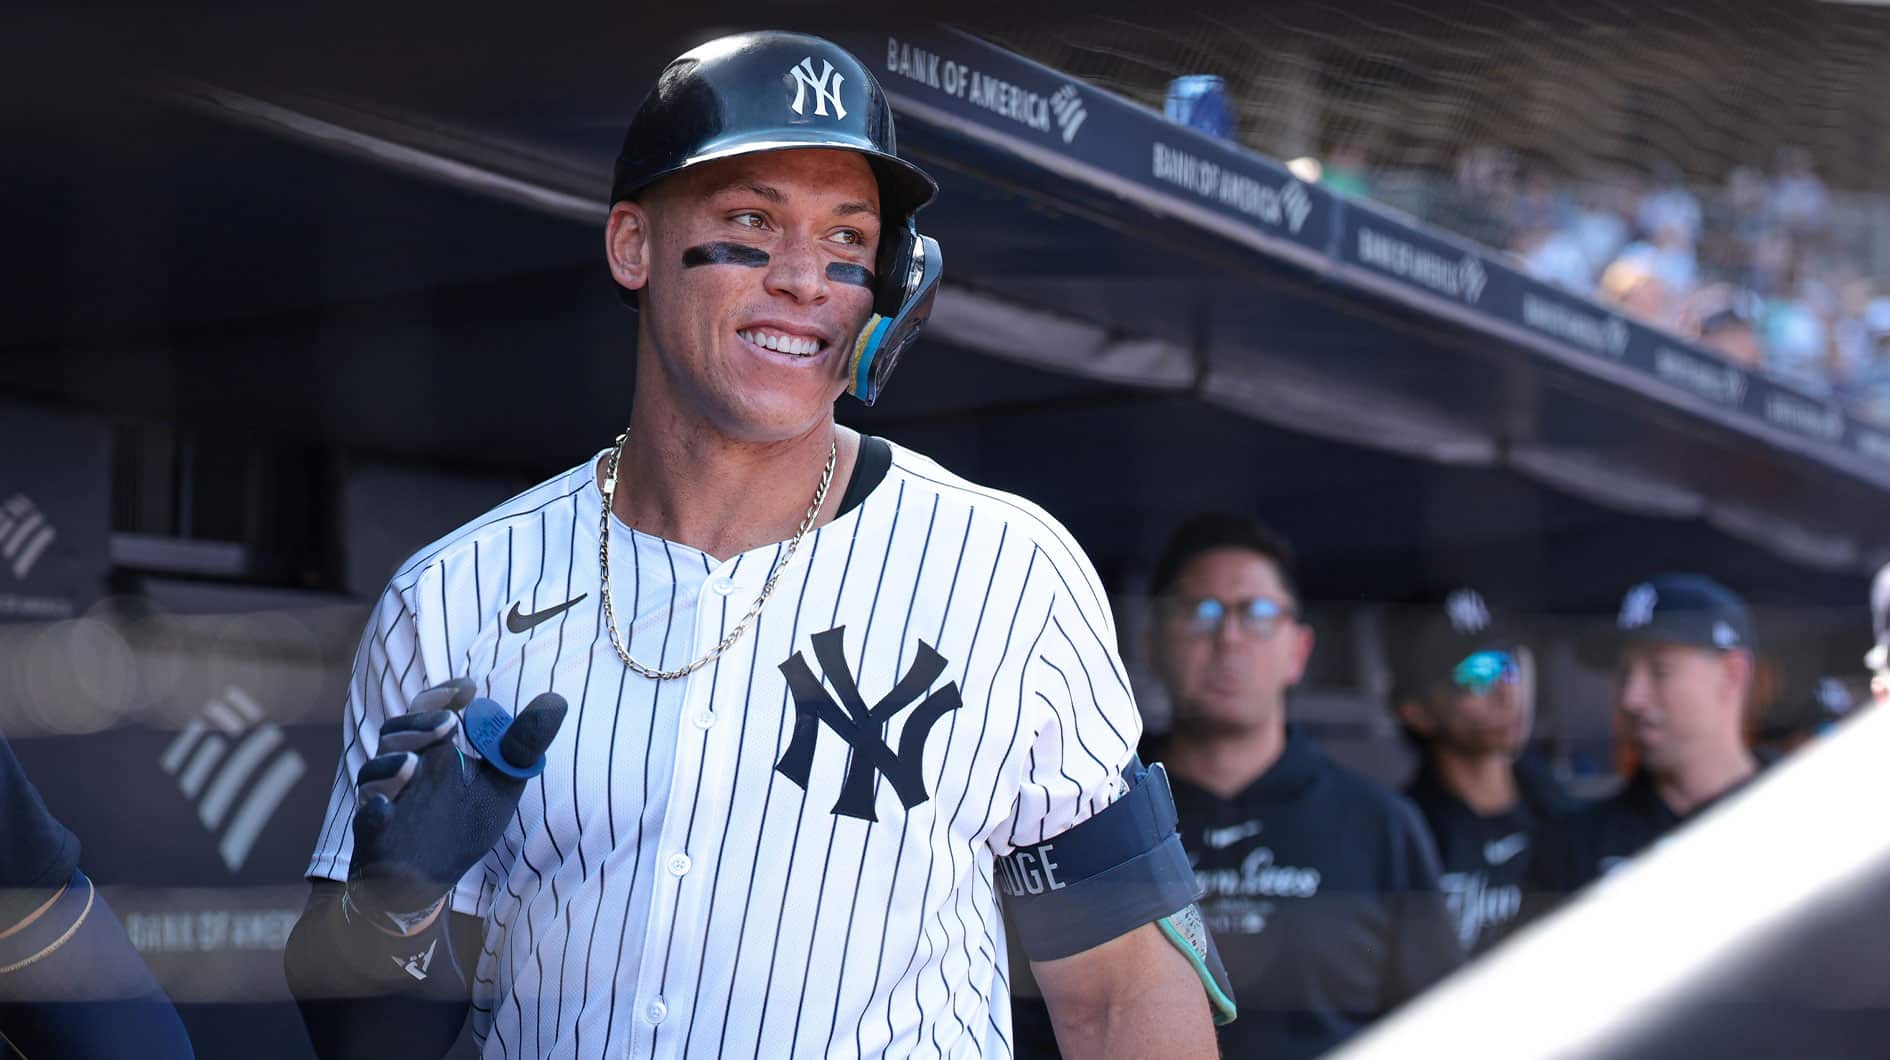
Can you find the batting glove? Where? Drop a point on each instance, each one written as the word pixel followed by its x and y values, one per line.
pixel 427 812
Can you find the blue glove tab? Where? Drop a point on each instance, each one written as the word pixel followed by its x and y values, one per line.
pixel 485 723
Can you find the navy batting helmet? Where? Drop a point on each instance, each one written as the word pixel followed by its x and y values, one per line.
pixel 774 91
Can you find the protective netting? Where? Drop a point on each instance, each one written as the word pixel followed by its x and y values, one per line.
pixel 1720 169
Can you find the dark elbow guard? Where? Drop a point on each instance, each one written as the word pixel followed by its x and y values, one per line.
pixel 72 985
pixel 1120 869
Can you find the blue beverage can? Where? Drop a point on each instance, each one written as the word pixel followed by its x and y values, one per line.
pixel 1199 101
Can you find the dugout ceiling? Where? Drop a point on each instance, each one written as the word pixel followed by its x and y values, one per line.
pixel 396 253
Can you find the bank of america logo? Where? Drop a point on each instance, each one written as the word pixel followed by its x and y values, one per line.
pixel 234 765
pixel 24 534
pixel 1067 105
pixel 1296 204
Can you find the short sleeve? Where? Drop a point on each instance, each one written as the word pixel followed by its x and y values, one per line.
pixel 389 671
pixel 1087 726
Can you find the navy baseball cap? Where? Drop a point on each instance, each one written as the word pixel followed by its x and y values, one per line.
pixel 1689 609
pixel 1437 636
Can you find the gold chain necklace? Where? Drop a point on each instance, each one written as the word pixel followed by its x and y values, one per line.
pixel 767 588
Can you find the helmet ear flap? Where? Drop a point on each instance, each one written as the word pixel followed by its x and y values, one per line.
pixel 894 268
pixel 909 285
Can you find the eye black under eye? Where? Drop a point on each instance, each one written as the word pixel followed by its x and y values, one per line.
pixel 847 272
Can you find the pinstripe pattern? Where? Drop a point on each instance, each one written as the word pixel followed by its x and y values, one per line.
pixel 665 890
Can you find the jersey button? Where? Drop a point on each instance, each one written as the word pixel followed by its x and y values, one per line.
pixel 722 586
pixel 705 719
pixel 656 1011
pixel 678 865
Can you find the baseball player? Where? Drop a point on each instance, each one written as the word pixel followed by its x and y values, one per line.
pixel 1462 693
pixel 1321 886
pixel 70 982
pixel 801 702
pixel 1682 650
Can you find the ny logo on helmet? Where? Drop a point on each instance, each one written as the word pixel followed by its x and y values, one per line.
pixel 826 88
pixel 1637 608
pixel 1467 612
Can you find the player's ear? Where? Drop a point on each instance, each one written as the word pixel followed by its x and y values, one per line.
pixel 627 244
pixel 1413 714
pixel 1739 671
pixel 1301 648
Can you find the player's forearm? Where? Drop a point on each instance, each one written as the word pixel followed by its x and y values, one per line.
pixel 1169 1020
pixel 1133 996
pixel 365 993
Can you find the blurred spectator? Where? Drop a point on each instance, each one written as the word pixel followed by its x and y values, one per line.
pixel 1797 308
pixel 1344 171
pixel 1668 254
pixel 1670 207
pixel 1321 886
pixel 1632 287
pixel 1721 318
pixel 1733 337
pixel 1798 197
pixel 1541 204
pixel 1555 256
pixel 1682 652
pixel 1796 344
pixel 1477 203
pixel 1745 202
pixel 1461 693
pixel 1600 227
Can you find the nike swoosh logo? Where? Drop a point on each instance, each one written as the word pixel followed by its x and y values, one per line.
pixel 518 622
pixel 1222 838
pixel 1498 851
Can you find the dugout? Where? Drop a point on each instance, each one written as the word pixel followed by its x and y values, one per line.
pixel 276 300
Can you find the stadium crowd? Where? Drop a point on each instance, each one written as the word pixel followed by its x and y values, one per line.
pixel 1759 268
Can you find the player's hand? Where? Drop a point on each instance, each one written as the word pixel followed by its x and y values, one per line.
pixel 426 812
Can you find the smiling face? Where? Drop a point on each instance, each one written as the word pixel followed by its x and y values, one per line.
pixel 754 277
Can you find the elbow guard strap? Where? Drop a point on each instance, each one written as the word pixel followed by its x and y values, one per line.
pixel 1120 869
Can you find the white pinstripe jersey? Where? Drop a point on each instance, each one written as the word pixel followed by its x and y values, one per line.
pixel 757 860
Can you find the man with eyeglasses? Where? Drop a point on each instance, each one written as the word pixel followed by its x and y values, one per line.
pixel 1462 690
pixel 1321 887
pixel 1682 651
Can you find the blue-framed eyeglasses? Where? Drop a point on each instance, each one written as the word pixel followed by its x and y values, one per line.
pixel 1482 671
pixel 1258 617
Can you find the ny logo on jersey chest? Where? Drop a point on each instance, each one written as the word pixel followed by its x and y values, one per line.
pixel 864 727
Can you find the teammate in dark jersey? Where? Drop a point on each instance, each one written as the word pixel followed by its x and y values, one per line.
pixel 1682 651
pixel 1462 693
pixel 1321 886
pixel 70 983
